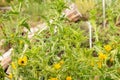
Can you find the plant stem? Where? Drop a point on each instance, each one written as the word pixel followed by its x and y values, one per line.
pixel 3 30
pixel 90 34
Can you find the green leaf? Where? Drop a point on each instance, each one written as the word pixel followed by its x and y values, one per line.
pixel 8 1
pixel 20 0
pixel 13 12
pixel 2 74
pixel 24 23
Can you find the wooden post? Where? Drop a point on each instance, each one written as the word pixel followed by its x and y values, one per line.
pixel 103 5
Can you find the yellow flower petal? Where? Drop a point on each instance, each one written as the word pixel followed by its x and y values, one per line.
pixel 53 79
pixel 108 48
pixel 57 66
pixel 13 65
pixel 25 57
pixel 10 76
pixel 22 61
pixel 68 78
pixel 102 56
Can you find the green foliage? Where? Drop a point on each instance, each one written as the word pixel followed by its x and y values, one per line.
pixel 62 49
pixel 2 73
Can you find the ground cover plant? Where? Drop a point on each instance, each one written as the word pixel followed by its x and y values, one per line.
pixel 61 51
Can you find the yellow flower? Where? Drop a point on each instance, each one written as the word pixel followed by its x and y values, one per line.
pixel 13 65
pixel 53 79
pixel 57 65
pixel 25 57
pixel 22 61
pixel 102 56
pixel 107 47
pixel 99 64
pixel 61 62
pixel 68 78
pixel 10 76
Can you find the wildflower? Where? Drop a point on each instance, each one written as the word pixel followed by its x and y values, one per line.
pixel 99 64
pixel 61 62
pixel 10 76
pixel 57 65
pixel 13 65
pixel 22 61
pixel 107 47
pixel 53 79
pixel 68 78
pixel 102 56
